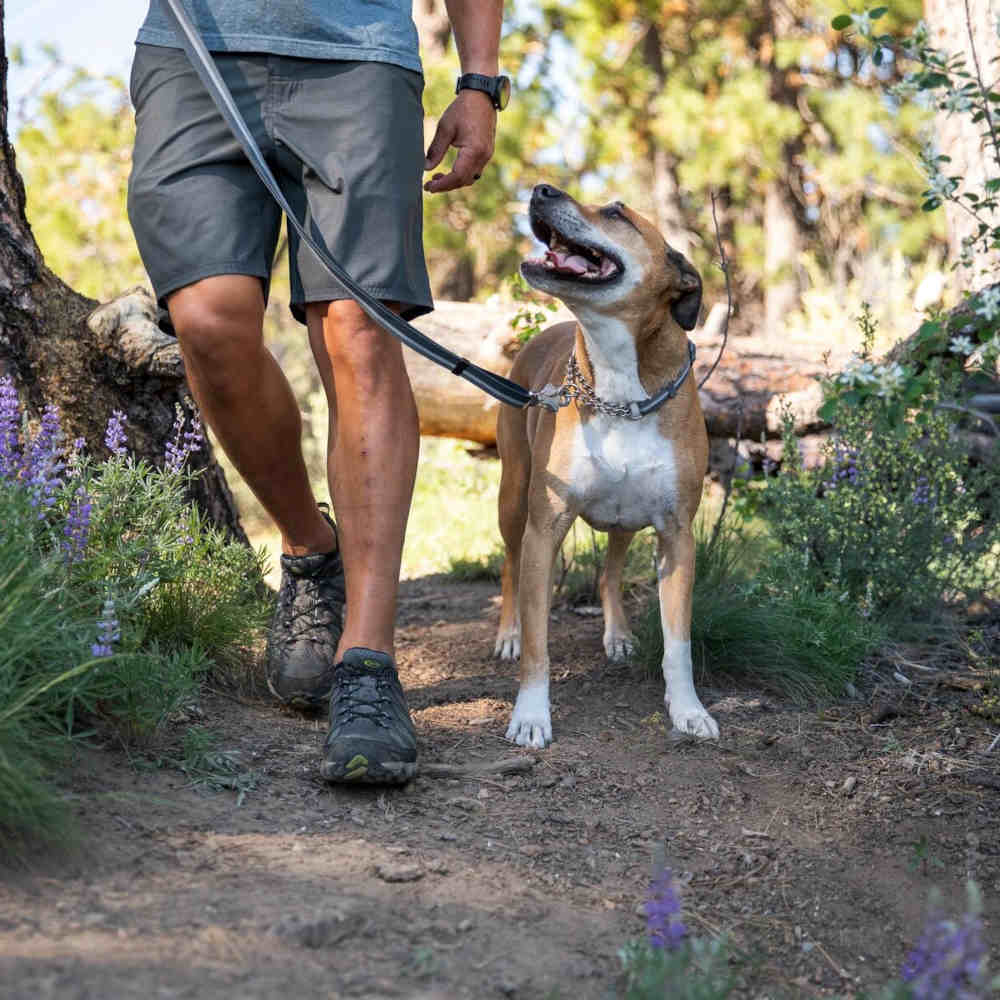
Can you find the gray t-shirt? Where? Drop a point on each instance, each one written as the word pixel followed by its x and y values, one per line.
pixel 367 30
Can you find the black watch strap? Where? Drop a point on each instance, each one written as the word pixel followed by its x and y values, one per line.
pixel 497 88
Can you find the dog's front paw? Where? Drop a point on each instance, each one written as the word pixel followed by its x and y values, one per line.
pixel 508 645
pixel 692 719
pixel 531 721
pixel 618 645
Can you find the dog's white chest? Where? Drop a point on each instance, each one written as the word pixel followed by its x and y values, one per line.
pixel 623 473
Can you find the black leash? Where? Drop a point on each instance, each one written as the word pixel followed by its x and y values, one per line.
pixel 497 386
pixel 503 389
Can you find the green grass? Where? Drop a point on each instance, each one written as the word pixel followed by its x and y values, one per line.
pixel 454 511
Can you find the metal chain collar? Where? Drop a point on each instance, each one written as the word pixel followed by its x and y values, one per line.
pixel 576 387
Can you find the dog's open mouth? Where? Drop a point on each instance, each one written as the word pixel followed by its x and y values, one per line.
pixel 568 259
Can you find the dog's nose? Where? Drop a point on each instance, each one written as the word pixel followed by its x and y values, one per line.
pixel 547 191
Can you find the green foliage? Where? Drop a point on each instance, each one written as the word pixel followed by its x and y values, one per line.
pixel 950 84
pixel 179 582
pixel 528 321
pixel 75 156
pixel 698 970
pixel 467 570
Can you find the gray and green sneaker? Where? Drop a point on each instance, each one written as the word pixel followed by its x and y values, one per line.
pixel 371 738
pixel 305 630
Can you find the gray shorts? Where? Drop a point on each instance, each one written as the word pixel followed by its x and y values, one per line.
pixel 345 141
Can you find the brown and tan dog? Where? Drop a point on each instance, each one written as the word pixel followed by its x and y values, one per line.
pixel 633 298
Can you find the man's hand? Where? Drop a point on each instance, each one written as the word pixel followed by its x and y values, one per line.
pixel 469 124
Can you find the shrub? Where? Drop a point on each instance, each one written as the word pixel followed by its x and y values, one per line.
pixel 116 600
pixel 896 518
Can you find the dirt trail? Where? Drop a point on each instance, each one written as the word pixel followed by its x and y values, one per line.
pixel 522 885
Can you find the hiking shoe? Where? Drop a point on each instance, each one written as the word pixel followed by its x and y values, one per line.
pixel 371 736
pixel 306 628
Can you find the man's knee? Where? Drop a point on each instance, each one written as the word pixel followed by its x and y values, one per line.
pixel 359 348
pixel 219 320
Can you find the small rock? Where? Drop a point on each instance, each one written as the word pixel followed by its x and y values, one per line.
pixel 438 867
pixel 394 871
pixel 507 987
pixel 849 785
pixel 464 926
pixel 319 932
pixel 465 804
pixel 447 835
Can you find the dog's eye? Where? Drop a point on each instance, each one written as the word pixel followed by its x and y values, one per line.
pixel 614 211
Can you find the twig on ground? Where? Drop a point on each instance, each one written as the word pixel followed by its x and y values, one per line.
pixel 833 965
pixel 993 745
pixel 511 765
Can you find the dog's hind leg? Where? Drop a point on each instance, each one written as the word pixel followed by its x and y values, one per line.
pixel 619 642
pixel 675 571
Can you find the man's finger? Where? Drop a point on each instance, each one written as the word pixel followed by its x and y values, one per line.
pixel 443 137
pixel 468 164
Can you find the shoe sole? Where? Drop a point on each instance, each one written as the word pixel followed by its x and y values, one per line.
pixel 361 770
pixel 304 701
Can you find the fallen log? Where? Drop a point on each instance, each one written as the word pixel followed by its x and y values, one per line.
pixel 743 395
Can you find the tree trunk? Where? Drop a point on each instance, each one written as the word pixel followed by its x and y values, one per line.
pixel 782 246
pixel 54 356
pixel 951 22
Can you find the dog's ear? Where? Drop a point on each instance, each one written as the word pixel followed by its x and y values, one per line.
pixel 687 306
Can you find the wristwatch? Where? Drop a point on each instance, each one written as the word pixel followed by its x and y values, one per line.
pixel 497 88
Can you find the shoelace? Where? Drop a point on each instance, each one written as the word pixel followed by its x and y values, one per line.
pixel 323 592
pixel 354 699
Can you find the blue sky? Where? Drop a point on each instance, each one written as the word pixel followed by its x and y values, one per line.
pixel 97 34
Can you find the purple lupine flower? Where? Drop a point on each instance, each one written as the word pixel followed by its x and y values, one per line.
pixel 921 492
pixel 948 962
pixel 114 434
pixel 845 468
pixel 77 530
pixel 107 631
pixel 10 429
pixel 183 442
pixel 663 913
pixel 43 462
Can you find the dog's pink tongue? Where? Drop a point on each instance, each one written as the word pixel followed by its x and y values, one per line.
pixel 569 262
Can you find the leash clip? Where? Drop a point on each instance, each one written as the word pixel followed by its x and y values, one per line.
pixel 552 397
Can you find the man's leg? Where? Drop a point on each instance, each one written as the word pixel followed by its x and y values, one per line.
pixel 246 400
pixel 372 461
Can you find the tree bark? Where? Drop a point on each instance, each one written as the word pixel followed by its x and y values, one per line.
pixel 55 357
pixel 954 25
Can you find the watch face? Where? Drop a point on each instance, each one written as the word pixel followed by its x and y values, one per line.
pixel 502 95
